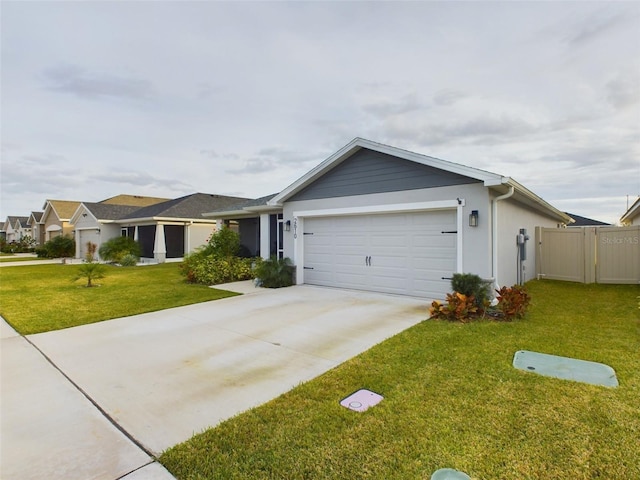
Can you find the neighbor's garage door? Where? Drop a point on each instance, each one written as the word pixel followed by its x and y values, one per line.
pixel 88 236
pixel 406 254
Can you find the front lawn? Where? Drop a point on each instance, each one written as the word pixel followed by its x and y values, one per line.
pixel 452 399
pixel 14 258
pixel 41 298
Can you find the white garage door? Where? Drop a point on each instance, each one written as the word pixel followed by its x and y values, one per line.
pixel 87 236
pixel 406 254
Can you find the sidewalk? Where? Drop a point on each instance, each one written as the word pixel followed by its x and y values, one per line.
pixel 50 429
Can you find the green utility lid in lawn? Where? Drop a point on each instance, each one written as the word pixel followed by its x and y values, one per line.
pixel 565 368
pixel 449 474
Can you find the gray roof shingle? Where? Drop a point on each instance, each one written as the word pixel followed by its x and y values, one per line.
pixel 106 211
pixel 187 207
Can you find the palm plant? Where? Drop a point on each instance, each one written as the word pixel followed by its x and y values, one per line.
pixel 91 271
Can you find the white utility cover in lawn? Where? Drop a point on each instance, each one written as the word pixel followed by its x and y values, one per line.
pixel 167 375
pixel 400 253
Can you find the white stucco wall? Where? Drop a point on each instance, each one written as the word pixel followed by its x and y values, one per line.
pixel 512 216
pixel 198 235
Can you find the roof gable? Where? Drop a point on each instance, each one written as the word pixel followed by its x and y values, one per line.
pixel 63 209
pixel 358 144
pixel 631 213
pixel 368 171
pixel 21 222
pixel 102 212
pixel 35 217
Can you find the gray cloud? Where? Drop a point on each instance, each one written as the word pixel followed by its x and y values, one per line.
pixel 38 174
pixel 269 159
pixel 448 97
pixel 77 81
pixel 487 130
pixel 384 107
pixel 254 166
pixel 623 91
pixel 595 25
pixel 140 179
pixel 209 153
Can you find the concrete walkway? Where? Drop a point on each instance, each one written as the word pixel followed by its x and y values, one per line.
pixel 161 377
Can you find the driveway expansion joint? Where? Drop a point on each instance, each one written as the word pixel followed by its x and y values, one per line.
pixel 103 412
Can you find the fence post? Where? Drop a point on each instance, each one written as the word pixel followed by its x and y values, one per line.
pixel 538 247
pixel 590 254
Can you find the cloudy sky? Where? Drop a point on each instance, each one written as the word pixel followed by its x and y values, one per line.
pixel 171 98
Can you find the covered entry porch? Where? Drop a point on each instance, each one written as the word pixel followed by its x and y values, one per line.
pixel 261 227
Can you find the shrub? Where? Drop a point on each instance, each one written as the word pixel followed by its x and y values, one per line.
pixel 274 273
pixel 223 243
pixel 90 256
pixel 113 250
pixel 211 270
pixel 218 262
pixel 459 308
pixel 129 260
pixel 472 285
pixel 91 271
pixel 513 301
pixel 58 247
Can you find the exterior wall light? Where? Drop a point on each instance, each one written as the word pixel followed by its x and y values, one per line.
pixel 287 226
pixel 473 218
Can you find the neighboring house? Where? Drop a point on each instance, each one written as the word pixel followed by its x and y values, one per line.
pixel 375 217
pixel 174 228
pixel 97 223
pixel 56 218
pixel 9 229
pixel 22 228
pixel 15 228
pixel 579 221
pixel 632 216
pixel 37 229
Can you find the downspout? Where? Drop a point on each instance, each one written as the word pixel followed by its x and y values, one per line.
pixel 494 234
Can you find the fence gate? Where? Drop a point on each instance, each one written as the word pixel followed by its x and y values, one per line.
pixel 589 254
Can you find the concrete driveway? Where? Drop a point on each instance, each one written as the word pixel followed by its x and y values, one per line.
pixel 161 377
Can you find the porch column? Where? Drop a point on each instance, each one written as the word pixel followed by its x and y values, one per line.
pixel 135 233
pixel 219 224
pixel 160 246
pixel 265 236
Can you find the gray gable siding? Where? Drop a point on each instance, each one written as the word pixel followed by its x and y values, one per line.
pixel 368 172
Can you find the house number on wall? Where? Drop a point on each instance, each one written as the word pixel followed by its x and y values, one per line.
pixel 295 227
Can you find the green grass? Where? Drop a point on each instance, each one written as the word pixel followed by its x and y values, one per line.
pixel 41 298
pixel 452 399
pixel 12 258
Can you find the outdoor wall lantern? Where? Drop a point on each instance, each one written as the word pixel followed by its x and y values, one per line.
pixel 473 218
pixel 287 226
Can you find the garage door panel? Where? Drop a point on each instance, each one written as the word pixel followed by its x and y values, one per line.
pixel 388 240
pixel 85 236
pixel 350 241
pixel 352 279
pixel 408 252
pixel 431 241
